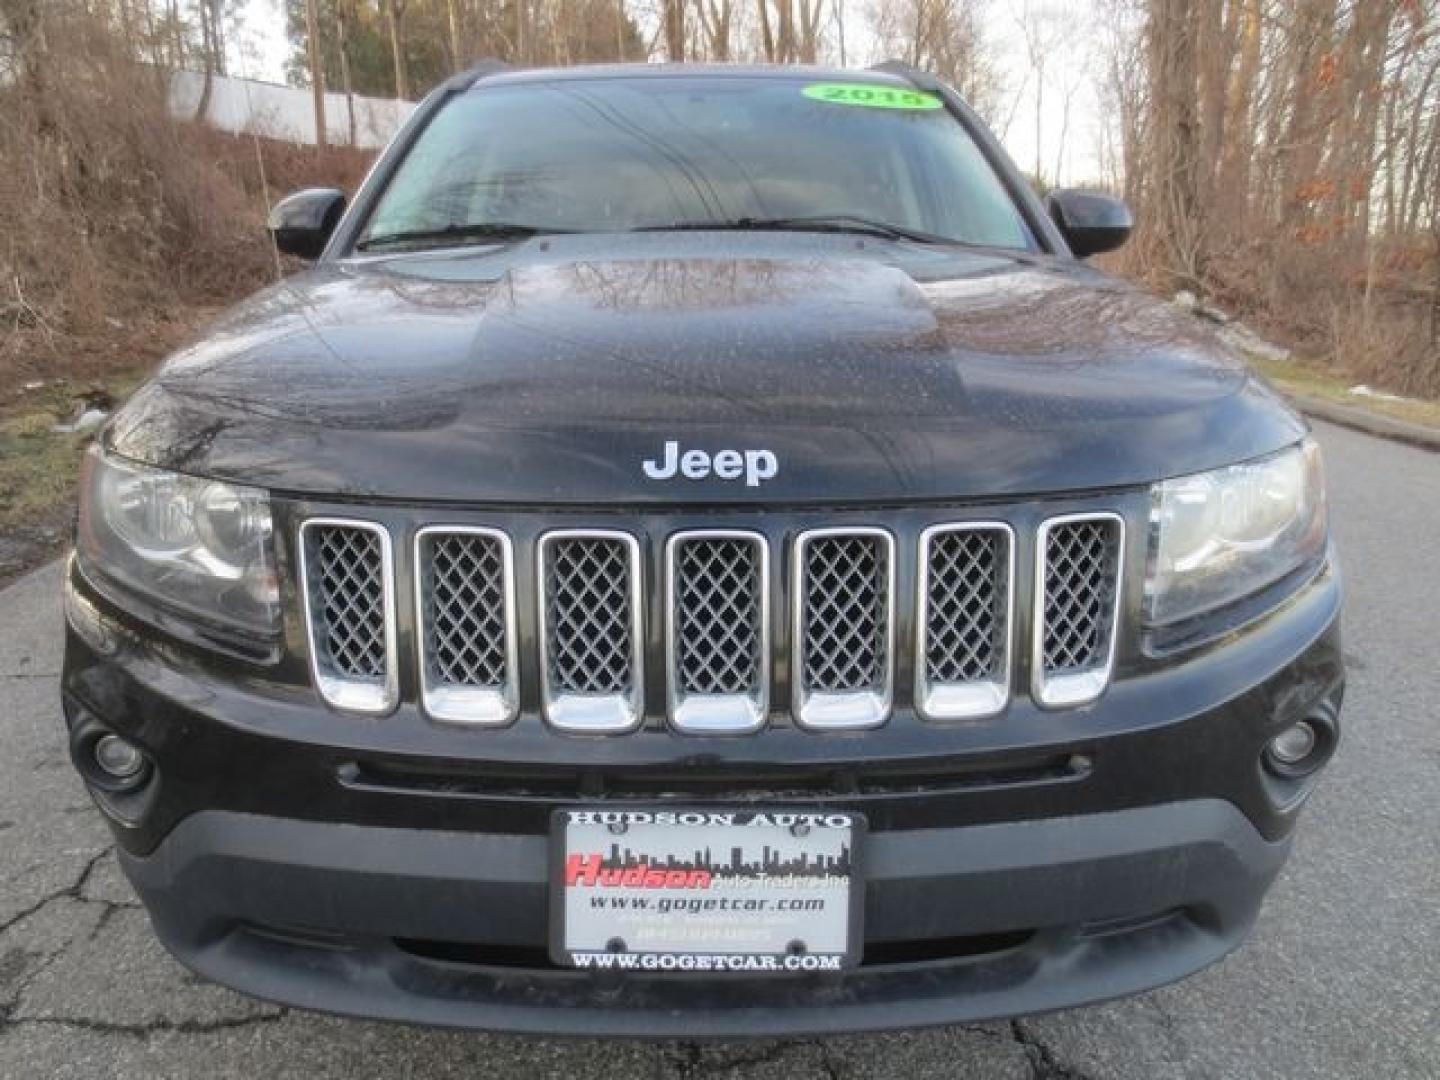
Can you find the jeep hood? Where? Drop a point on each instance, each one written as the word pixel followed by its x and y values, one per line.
pixel 549 371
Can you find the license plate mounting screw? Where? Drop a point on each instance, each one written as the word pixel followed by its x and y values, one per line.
pixel 799 829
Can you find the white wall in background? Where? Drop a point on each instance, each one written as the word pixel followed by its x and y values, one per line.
pixel 284 112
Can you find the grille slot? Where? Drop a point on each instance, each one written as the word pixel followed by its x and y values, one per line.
pixel 1077 576
pixel 967 574
pixel 844 628
pixel 465 591
pixel 347 571
pixel 717 611
pixel 591 634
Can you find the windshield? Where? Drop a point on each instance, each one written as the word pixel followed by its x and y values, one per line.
pixel 616 154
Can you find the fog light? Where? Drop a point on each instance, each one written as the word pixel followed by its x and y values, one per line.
pixel 118 758
pixel 1294 744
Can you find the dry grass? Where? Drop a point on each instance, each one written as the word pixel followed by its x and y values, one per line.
pixel 1356 315
pixel 121 232
pixel 1313 379
pixel 120 221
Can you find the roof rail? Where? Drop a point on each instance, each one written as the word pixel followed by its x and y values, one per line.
pixel 482 70
pixel 923 80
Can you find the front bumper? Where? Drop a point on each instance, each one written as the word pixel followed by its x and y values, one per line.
pixel 1073 910
pixel 1041 861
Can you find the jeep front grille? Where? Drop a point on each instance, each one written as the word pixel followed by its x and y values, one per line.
pixel 586 595
pixel 1077 587
pixel 465 593
pixel 967 573
pixel 349 588
pixel 591 633
pixel 718 640
pixel 844 628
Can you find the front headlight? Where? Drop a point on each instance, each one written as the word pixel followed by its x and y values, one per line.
pixel 1220 536
pixel 199 546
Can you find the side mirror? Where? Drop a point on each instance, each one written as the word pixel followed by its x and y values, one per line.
pixel 302 223
pixel 1090 222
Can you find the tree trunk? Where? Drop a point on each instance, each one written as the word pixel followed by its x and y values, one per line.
pixel 342 33
pixel 674 16
pixel 1175 142
pixel 317 70
pixel 452 18
pixel 217 33
pixel 1412 191
pixel 202 108
pixel 716 19
pixel 808 44
pixel 1239 137
pixel 767 35
pixel 395 11
pixel 1352 162
pixel 1312 90
pixel 1215 45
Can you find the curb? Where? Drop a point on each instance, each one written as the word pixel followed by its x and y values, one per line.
pixel 1383 427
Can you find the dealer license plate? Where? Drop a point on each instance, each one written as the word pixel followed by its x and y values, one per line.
pixel 706 890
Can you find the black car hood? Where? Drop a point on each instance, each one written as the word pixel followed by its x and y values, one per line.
pixel 548 372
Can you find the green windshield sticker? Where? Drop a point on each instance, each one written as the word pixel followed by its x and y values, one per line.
pixel 872 97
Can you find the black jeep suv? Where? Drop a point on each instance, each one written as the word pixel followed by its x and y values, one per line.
pixel 700 553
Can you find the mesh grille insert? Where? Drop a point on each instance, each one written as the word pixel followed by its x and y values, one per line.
pixel 587 597
pixel 1081 568
pixel 966 592
pixel 347 599
pixel 846 608
pixel 465 616
pixel 717 611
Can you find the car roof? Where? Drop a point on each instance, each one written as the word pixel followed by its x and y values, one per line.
pixel 495 75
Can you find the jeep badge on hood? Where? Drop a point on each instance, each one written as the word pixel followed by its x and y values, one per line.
pixel 756 466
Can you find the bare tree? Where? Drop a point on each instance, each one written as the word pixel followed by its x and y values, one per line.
pixel 452 23
pixel 717 23
pixel 395 16
pixel 1174 138
pixel 1043 30
pixel 673 20
pixel 946 37
pixel 345 17
pixel 317 70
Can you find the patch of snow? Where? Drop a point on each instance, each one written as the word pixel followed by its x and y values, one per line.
pixel 88 420
pixel 1241 337
pixel 1380 395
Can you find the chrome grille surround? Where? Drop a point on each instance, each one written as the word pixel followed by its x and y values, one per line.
pixel 843 637
pixel 592 640
pixel 964 620
pixel 1079 561
pixel 347 575
pixel 717 623
pixel 466 625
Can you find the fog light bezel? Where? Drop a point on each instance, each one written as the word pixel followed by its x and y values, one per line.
pixel 1279 752
pixel 132 767
pixel 85 753
pixel 1322 724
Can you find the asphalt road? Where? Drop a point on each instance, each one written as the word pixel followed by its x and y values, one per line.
pixel 1342 978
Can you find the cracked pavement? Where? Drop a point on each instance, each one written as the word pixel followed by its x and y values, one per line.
pixel 1340 979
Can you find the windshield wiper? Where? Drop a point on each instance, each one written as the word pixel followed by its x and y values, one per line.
pixel 479 230
pixel 848 223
